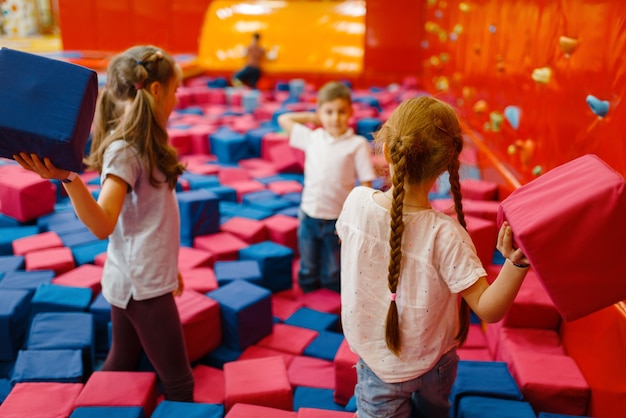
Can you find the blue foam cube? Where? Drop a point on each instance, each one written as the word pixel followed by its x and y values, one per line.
pixel 485 406
pixel 101 311
pixel 228 271
pixel 483 378
pixel 275 261
pixel 108 412
pixel 199 214
pixel 324 346
pixel 51 297
pixel 229 146
pixel 86 253
pixel 11 263
pixel 315 320
pixel 47 107
pixel 63 366
pixel 167 409
pixel 14 315
pixel 10 234
pixel 318 398
pixel 64 330
pixel 26 280
pixel 246 313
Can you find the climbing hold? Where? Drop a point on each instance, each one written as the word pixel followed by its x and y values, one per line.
pixel 480 106
pixel 599 107
pixel 542 75
pixel 512 114
pixel 568 45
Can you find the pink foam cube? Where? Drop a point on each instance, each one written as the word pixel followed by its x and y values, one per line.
pixel 191 258
pixel 246 186
pixel 345 373
pixel 228 175
pixel 323 300
pixel 513 340
pixel 285 186
pixel 200 279
pixel 479 189
pixel 311 372
pixel 261 382
pixel 255 351
pixel 209 384
pixel 200 317
pixel 248 230
pixel 42 241
pixel 283 230
pixel 284 307
pixel 86 275
pixel 532 307
pixel 288 338
pixel 270 140
pixel 474 354
pixel 570 224
pixel 24 195
pixel 484 235
pixel 242 410
pixel 550 383
pixel 120 389
pixel 40 399
pixel 475 337
pixel 180 139
pixel 486 209
pixel 223 245
pixel 59 259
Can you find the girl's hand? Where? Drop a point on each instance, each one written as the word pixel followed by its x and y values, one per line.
pixel 45 168
pixel 505 245
pixel 181 286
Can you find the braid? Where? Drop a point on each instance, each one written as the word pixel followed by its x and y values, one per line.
pixel 392 328
pixel 455 188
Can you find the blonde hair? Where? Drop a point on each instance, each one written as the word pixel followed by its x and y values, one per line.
pixel 126 94
pixel 424 139
pixel 333 90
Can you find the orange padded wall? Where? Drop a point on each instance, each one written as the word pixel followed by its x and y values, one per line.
pixel 114 25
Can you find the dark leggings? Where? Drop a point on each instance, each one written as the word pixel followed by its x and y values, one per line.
pixel 153 325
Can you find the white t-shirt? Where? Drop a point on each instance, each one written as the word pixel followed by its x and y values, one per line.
pixel 332 167
pixel 142 255
pixel 439 261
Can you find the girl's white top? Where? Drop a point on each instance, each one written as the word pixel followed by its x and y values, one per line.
pixel 142 255
pixel 439 261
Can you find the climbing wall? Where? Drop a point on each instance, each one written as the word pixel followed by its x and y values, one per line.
pixel 541 81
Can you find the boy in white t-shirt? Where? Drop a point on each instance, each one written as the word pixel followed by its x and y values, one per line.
pixel 335 159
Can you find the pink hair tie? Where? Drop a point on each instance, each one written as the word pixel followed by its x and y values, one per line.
pixel 393 297
pixel 138 86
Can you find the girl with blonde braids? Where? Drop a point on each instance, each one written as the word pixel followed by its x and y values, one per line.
pixel 404 265
pixel 137 211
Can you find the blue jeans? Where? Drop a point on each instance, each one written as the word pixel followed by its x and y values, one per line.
pixel 319 249
pixel 423 397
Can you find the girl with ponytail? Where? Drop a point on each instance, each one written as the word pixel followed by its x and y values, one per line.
pixel 404 266
pixel 137 211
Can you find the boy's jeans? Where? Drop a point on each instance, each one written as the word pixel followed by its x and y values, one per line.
pixel 319 249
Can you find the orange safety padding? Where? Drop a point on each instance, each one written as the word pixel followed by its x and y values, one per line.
pixel 114 25
pixel 310 37
pixel 597 343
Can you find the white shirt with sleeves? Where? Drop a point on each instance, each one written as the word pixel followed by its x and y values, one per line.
pixel 142 254
pixel 439 261
pixel 332 167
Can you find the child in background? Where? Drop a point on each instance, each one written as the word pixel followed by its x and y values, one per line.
pixel 137 210
pixel 404 265
pixel 335 158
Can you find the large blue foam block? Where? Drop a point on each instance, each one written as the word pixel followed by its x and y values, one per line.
pixel 47 107
pixel 246 312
